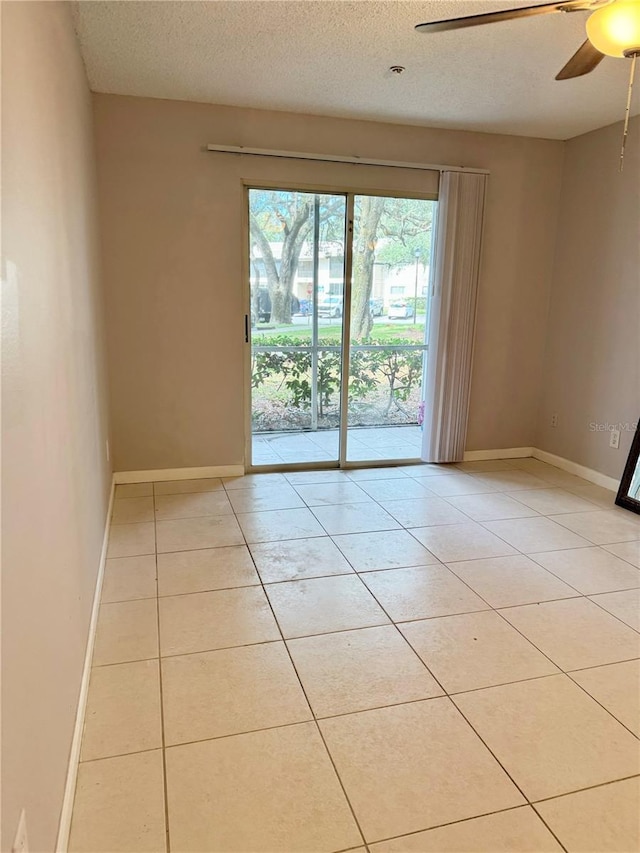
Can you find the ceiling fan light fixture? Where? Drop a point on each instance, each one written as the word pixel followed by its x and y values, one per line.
pixel 615 29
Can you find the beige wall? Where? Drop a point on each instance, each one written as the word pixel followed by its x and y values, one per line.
pixel 172 238
pixel 55 479
pixel 592 371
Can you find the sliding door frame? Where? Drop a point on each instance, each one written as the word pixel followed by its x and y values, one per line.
pixel 350 194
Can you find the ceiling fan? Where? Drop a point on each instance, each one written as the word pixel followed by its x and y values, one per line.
pixel 613 29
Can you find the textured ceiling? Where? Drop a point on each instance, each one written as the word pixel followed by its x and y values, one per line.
pixel 332 58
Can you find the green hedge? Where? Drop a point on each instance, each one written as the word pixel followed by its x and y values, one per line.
pixel 400 370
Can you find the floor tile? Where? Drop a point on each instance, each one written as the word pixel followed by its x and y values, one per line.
pixel 296 559
pixel 424 512
pixel 590 570
pixel 617 688
pixel 517 830
pixel 550 736
pixel 323 494
pixel 312 478
pixel 276 525
pixel 575 633
pixel 134 490
pixel 603 819
pixel 132 540
pixel 507 481
pixel 625 605
pixel 180 572
pixel 357 670
pixel 475 650
pixel 387 549
pixel 421 593
pixel 506 581
pixel 553 501
pixel 354 518
pixel 192 505
pixel 323 605
pixel 536 534
pixel 126 578
pixel 458 484
pixel 604 498
pixel 273 791
pixel 190 534
pixel 182 487
pixel 378 473
pixel 278 496
pixel 392 490
pixel 468 541
pixel 126 631
pixel 253 481
pixel 226 692
pixel 603 527
pixel 482 466
pixel 629 551
pixel 491 507
pixel 428 469
pixel 132 510
pixel 535 466
pixel 123 710
pixel 215 620
pixel 410 767
pixel 119 806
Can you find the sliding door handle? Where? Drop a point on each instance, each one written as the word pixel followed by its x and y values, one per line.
pixel 246 328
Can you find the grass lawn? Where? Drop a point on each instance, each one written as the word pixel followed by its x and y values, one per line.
pixel 384 333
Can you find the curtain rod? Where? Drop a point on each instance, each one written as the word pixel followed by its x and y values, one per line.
pixel 336 158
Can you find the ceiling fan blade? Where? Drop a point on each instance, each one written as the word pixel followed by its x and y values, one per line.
pixel 584 60
pixel 506 15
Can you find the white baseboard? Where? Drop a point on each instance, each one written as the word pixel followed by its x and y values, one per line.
pixel 579 470
pixel 508 453
pixel 550 458
pixel 160 474
pixel 74 756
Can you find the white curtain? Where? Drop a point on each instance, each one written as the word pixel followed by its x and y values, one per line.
pixel 452 315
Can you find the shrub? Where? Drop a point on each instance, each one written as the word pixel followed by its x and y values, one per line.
pixel 401 370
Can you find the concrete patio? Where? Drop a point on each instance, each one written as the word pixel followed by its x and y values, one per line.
pixel 363 444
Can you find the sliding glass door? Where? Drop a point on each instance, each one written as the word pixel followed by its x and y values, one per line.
pixel 297 277
pixel 388 326
pixel 336 326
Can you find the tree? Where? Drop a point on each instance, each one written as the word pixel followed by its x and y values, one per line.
pixel 287 215
pixel 364 251
pixel 388 230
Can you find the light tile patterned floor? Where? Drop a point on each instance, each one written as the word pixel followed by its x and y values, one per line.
pixel 423 658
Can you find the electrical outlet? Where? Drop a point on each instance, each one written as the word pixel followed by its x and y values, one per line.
pixel 614 439
pixel 554 419
pixel 20 844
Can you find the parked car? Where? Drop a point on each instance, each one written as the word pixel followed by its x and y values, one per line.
pixel 330 306
pixel 400 310
pixel 376 306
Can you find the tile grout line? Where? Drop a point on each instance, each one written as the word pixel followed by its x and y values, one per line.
pixel 526 639
pixel 450 700
pixel 554 663
pixel 165 790
pixel 491 752
pixel 304 692
pixel 395 625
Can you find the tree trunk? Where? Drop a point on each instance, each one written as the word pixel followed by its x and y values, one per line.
pixel 280 283
pixel 363 257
